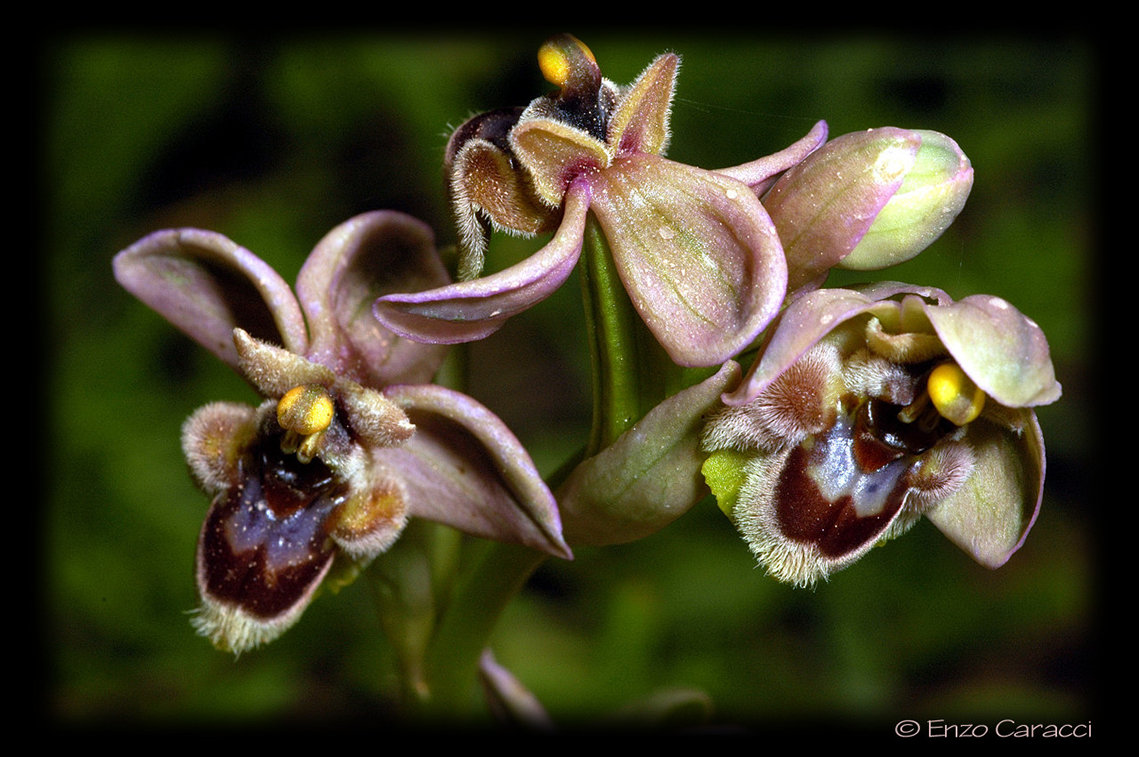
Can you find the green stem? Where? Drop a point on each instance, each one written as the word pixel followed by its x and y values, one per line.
pixel 408 584
pixel 631 374
pixel 497 574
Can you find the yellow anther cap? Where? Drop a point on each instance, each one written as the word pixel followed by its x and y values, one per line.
pixel 305 409
pixel 954 394
pixel 559 56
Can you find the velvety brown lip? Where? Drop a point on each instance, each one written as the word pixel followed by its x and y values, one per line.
pixel 263 547
pixel 805 515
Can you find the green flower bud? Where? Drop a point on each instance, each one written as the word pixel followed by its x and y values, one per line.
pixel 930 197
pixel 867 200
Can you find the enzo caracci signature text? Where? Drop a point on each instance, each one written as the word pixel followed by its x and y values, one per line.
pixel 1006 728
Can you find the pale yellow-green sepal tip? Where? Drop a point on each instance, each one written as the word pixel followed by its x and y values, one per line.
pixel 724 473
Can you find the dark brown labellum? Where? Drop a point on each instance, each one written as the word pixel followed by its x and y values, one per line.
pixel 827 494
pixel 264 546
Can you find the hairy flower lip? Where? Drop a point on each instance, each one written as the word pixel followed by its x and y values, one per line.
pixel 256 574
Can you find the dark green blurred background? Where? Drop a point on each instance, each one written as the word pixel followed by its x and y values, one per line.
pixel 273 140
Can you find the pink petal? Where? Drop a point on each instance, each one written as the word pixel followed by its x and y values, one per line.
pixel 760 174
pixel 697 253
pixel 207 285
pixel 367 256
pixel 471 310
pixel 1001 349
pixel 465 468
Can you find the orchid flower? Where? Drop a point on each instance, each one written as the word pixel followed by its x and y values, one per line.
pixel 695 250
pixel 349 440
pixel 868 409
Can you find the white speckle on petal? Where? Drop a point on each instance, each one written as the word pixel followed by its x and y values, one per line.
pixel 893 162
pixel 998 303
pixel 666 232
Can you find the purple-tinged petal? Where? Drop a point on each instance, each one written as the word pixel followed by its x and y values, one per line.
pixel 649 476
pixel 993 511
pixel 368 256
pixel 465 468
pixel 812 315
pixel 824 205
pixel 697 253
pixel 640 123
pixel 802 324
pixel 884 290
pixel 1004 352
pixel 760 174
pixel 207 285
pixel 471 310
